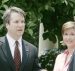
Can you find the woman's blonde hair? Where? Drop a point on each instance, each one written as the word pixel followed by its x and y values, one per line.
pixel 68 25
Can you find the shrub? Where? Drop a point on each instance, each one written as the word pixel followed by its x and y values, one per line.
pixel 47 61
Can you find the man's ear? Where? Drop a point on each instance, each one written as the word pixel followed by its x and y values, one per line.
pixel 7 25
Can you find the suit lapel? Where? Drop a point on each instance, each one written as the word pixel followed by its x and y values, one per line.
pixel 7 53
pixel 25 53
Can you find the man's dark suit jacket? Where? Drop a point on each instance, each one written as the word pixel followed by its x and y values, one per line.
pixel 72 63
pixel 29 58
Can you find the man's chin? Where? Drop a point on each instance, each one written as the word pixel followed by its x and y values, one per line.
pixel 19 34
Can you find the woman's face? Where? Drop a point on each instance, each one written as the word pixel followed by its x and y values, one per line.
pixel 69 37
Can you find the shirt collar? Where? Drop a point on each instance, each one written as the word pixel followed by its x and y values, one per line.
pixel 66 52
pixel 12 41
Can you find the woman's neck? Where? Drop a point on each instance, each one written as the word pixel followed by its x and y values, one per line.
pixel 71 50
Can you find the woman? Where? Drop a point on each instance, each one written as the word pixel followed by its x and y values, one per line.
pixel 68 33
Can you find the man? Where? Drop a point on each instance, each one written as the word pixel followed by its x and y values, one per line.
pixel 16 54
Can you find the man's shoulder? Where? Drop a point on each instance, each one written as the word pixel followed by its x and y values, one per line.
pixel 2 39
pixel 29 44
pixel 1 43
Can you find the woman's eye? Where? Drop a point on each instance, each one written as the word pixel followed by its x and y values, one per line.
pixel 65 34
pixel 73 34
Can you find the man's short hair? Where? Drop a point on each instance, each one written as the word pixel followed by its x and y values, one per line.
pixel 7 13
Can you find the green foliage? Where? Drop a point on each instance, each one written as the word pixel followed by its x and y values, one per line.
pixel 56 13
pixel 47 61
pixel 52 13
pixel 32 24
pixel 3 6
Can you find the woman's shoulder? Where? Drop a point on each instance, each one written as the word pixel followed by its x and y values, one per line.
pixel 61 55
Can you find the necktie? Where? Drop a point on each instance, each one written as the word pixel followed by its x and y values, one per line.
pixel 17 57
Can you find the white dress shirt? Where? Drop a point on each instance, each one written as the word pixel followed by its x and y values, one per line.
pixel 12 45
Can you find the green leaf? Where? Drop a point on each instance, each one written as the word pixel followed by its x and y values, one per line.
pixel 71 4
pixel 1 11
pixel 65 1
pixel 4 1
pixel 30 31
pixel 1 26
pixel 46 7
pixel 74 12
pixel 31 24
pixel 73 1
pixel 5 6
pixel 52 9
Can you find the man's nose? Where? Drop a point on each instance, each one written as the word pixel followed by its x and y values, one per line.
pixel 21 24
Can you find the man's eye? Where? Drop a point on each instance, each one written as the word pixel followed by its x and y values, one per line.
pixel 16 21
pixel 22 21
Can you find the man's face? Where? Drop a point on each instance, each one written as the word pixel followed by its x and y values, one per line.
pixel 16 25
